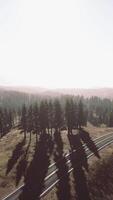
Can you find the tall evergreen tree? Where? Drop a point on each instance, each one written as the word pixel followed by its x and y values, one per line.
pixel 5 121
pixel 43 117
pixel 30 120
pixel 51 116
pixel 71 114
pixel 80 114
pixel 58 115
pixel 23 122
pixel 10 119
pixel 36 124
pixel 68 116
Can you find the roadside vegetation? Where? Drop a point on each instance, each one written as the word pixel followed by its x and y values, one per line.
pixel 99 178
pixel 42 132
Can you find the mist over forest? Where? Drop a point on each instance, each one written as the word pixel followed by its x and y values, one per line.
pixel 69 106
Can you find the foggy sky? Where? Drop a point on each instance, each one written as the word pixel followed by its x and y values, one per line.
pixel 56 43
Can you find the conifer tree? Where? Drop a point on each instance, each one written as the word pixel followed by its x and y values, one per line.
pixel 23 122
pixel 80 114
pixel 68 116
pixel 58 115
pixel 30 120
pixel 111 119
pixel 71 114
pixel 43 119
pixel 51 115
pixel 36 125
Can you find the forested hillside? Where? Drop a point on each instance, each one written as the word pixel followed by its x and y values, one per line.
pixel 41 112
pixel 37 130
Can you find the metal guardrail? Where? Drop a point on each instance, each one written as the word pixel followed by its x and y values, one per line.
pixel 100 142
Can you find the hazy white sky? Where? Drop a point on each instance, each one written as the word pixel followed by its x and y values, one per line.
pixel 56 43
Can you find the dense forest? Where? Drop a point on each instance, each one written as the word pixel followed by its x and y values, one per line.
pixel 38 125
pixel 34 113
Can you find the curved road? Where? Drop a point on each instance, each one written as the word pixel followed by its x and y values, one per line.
pixel 51 179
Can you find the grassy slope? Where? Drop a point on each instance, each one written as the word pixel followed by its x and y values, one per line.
pixel 8 144
pixel 99 178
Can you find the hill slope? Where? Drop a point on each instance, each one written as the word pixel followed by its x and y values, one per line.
pixel 100 92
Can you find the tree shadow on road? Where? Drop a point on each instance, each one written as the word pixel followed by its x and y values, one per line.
pixel 79 163
pixel 85 137
pixel 37 170
pixel 22 164
pixel 17 152
pixel 63 186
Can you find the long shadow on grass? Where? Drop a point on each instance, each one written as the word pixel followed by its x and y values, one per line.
pixel 37 170
pixel 17 152
pixel 79 164
pixel 22 164
pixel 63 186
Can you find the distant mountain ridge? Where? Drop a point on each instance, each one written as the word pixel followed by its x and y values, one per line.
pixel 25 89
pixel 100 92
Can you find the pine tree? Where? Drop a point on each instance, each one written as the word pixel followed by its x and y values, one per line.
pixel 58 115
pixel 51 115
pixel 36 125
pixel 111 119
pixel 43 117
pixel 47 114
pixel 71 114
pixel 10 119
pixel 5 121
pixel 80 114
pixel 68 116
pixel 23 122
pixel 30 120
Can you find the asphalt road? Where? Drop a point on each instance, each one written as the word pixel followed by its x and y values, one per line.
pixel 51 179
